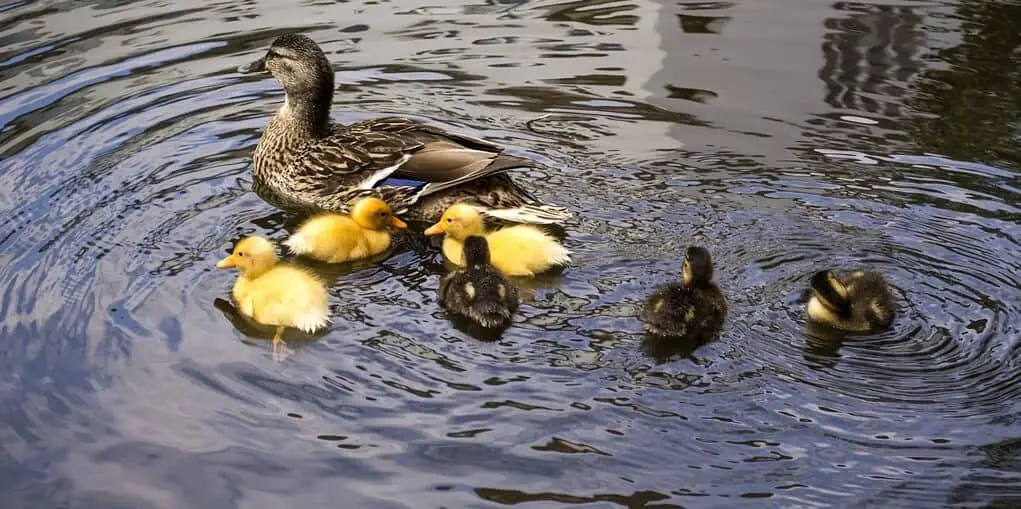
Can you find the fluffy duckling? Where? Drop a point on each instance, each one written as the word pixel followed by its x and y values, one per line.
pixel 336 238
pixel 858 302
pixel 520 250
pixel 275 294
pixel 693 309
pixel 479 292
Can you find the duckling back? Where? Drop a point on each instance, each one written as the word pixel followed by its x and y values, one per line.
pixel 336 238
pixel 480 294
pixel 690 312
pixel 867 304
pixel 525 250
pixel 284 295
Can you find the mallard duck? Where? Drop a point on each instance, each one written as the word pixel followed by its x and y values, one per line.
pixel 693 309
pixel 335 238
pixel 306 162
pixel 520 250
pixel 275 294
pixel 858 302
pixel 479 292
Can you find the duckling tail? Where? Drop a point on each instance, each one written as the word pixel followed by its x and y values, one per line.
pixel 491 315
pixel 299 243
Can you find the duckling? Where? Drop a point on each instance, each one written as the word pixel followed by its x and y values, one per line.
pixel 520 250
pixel 693 309
pixel 275 294
pixel 336 238
pixel 479 292
pixel 858 302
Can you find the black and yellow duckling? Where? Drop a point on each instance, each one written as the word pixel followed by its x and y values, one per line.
pixel 479 292
pixel 692 309
pixel 858 302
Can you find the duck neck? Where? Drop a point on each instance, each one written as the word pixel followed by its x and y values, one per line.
pixel 306 115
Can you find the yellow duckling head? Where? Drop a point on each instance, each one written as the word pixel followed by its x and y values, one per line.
pixel 374 214
pixel 251 256
pixel 459 222
pixel 697 267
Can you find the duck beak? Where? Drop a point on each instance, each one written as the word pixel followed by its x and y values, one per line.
pixel 254 67
pixel 397 223
pixel 226 263
pixel 436 229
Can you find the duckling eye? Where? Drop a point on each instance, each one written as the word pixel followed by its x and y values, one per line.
pixel 450 220
pixel 382 213
pixel 241 253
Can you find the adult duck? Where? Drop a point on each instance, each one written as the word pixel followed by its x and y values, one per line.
pixel 308 163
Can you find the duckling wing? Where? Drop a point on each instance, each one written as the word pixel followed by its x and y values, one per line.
pixel 482 295
pixel 454 292
pixel 291 297
pixel 493 293
pixel 670 310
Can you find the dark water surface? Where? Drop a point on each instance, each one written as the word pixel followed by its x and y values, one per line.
pixel 787 136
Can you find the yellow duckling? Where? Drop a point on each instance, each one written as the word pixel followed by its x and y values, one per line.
pixel 479 292
pixel 520 250
pixel 858 302
pixel 336 238
pixel 693 309
pixel 276 294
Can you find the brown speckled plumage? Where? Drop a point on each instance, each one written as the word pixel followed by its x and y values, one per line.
pixel 304 162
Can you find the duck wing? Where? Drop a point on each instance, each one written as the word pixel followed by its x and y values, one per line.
pixel 357 161
pixel 445 159
pixel 329 173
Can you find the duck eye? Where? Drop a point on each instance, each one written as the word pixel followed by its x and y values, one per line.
pixel 241 253
pixel 450 220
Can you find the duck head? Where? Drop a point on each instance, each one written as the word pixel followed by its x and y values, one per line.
pixel 374 214
pixel 298 63
pixel 251 256
pixel 697 268
pixel 459 222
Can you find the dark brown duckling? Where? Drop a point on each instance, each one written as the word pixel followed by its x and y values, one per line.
pixel 693 309
pixel 479 292
pixel 857 302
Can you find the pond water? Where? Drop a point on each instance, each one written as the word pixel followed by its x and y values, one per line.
pixel 787 136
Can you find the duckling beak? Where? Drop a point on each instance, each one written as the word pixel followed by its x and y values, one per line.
pixel 256 66
pixel 226 263
pixel 436 229
pixel 397 223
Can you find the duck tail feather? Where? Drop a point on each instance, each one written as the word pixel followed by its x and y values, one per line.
pixel 531 214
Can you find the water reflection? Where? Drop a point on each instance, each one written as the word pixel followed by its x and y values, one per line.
pixel 969 108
